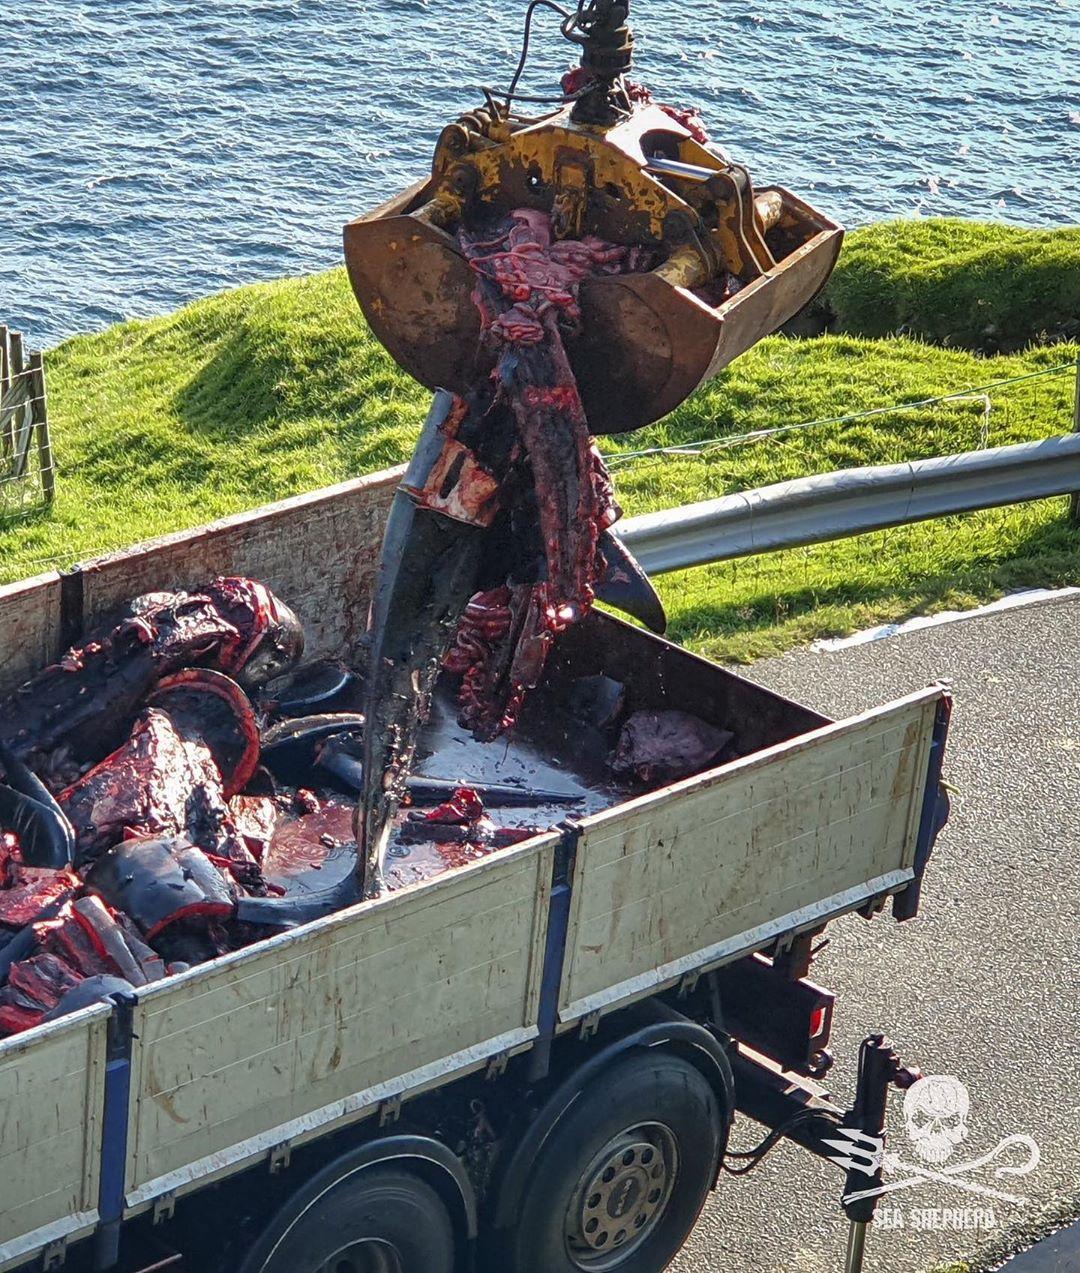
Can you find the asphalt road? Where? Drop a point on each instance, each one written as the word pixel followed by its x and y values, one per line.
pixel 984 984
pixel 1058 1253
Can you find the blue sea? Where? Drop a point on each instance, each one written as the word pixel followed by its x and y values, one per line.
pixel 152 152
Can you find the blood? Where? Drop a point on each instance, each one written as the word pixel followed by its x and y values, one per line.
pixel 455 855
pixel 68 950
pixel 74 942
pixel 160 782
pixel 460 830
pixel 255 819
pixel 526 293
pixel 311 850
pixel 30 891
pixel 35 986
pixel 464 808
pixel 14 1017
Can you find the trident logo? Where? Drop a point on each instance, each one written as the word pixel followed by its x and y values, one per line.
pixel 935 1116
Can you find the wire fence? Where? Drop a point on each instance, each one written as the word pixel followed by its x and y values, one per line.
pixel 968 422
pixel 27 471
pixel 700 448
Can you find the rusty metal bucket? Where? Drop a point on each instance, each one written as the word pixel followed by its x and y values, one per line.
pixel 647 340
pixel 645 344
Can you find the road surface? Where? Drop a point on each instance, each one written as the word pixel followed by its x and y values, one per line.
pixel 1058 1253
pixel 984 985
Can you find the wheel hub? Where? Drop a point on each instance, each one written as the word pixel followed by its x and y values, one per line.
pixel 369 1256
pixel 621 1197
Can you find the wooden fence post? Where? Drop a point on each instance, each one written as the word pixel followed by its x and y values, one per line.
pixel 22 420
pixel 40 416
pixel 5 385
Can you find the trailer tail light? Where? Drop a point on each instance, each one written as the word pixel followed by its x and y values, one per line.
pixel 788 1020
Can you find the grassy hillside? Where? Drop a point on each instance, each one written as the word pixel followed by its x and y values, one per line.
pixel 273 389
pixel 969 284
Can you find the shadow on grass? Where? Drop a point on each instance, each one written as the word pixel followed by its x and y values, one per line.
pixel 37 515
pixel 108 464
pixel 237 390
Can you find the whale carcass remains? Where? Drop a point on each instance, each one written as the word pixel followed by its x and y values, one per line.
pixel 180 785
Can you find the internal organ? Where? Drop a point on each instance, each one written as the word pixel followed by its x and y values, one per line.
pixel 526 292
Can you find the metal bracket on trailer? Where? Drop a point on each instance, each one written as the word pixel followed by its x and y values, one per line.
pixel 590 1024
pixel 689 983
pixel 164 1208
pixel 280 1158
pixel 794 955
pixel 496 1067
pixel 390 1110
pixel 55 1255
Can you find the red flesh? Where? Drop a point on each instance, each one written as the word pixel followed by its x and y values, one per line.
pixel 30 891
pixel 526 293
pixel 158 783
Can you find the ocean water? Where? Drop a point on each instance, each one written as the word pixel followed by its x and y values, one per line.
pixel 152 151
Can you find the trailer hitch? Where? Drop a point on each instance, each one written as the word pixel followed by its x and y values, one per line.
pixel 801 1111
pixel 860 1143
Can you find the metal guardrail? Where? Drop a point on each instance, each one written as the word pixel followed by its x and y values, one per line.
pixel 811 510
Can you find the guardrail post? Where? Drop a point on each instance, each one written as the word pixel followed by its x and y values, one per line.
pixel 1074 499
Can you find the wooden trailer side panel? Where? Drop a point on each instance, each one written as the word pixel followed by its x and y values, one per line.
pixel 29 628
pixel 51 1086
pixel 316 1028
pixel 317 552
pixel 718 865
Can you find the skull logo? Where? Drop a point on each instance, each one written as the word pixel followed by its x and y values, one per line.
pixel 935 1112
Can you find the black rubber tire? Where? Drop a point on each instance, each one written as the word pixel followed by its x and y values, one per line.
pixel 386 1205
pixel 638 1089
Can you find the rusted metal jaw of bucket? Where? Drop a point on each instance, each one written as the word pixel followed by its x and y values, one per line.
pixel 731 263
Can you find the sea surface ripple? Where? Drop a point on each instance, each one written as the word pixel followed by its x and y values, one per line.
pixel 153 151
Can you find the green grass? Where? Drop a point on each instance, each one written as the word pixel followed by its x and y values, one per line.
pixel 759 606
pixel 970 284
pixel 269 390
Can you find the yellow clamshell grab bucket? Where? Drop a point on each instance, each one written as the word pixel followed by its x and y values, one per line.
pixel 734 264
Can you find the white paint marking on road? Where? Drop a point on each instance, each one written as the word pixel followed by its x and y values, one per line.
pixel 1029 596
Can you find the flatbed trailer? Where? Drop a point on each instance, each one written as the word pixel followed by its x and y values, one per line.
pixel 531 1062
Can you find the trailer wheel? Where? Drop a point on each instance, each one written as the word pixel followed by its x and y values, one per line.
pixel 623 1175
pixel 379 1220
